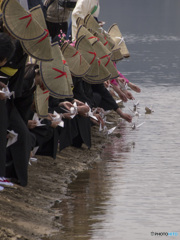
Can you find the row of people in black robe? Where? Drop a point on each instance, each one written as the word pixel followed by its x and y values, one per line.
pixel 17 113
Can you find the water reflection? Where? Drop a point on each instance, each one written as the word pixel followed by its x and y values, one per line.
pixel 135 189
pixel 88 196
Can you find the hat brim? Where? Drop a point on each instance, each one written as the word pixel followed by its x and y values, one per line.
pixel 116 55
pixel 103 76
pixel 39 49
pixel 91 23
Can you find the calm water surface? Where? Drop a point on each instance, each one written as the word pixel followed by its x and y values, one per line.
pixel 135 189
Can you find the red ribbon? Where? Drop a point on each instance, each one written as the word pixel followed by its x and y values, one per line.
pixel 45 92
pixel 28 16
pixel 47 33
pixel 93 58
pixel 80 56
pixel 92 37
pixel 62 73
pixel 108 59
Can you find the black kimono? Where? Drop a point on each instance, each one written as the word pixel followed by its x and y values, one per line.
pixel 76 131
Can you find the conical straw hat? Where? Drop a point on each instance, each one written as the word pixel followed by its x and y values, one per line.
pixel 91 23
pixel 40 48
pixel 19 22
pixel 104 75
pixel 83 44
pixel 104 37
pixel 76 62
pixel 79 21
pixel 41 102
pixel 109 39
pixel 101 38
pixel 56 75
pixel 85 48
pixel 38 14
pixel 116 35
pixel 83 31
pixel 116 53
pixel 69 76
pixel 105 58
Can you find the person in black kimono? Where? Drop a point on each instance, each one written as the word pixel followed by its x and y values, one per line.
pixel 96 95
pixel 7 49
pixel 76 131
pixel 18 153
pixel 45 136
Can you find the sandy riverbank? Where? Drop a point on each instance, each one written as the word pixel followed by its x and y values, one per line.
pixel 30 213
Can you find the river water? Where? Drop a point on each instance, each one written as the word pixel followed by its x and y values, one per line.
pixel 134 192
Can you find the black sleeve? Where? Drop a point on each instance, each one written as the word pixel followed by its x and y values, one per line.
pixel 108 101
pixel 82 91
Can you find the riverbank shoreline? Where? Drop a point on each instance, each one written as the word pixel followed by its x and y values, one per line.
pixel 30 213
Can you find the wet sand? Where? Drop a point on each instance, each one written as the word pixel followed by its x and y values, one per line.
pixel 31 212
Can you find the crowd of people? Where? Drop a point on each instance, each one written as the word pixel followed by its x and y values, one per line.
pixel 58 77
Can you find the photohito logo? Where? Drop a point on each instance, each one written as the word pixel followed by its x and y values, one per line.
pixel 171 234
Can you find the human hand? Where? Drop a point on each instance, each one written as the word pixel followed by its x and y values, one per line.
pixel 31 124
pixel 50 116
pixel 54 124
pixel 83 110
pixel 134 87
pixel 129 95
pixel 2 85
pixel 122 96
pixel 79 103
pixel 67 115
pixel 121 80
pixel 126 117
pixel 66 104
pixel 98 121
pixel 106 83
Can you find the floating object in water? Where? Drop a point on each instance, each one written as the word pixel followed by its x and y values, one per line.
pixel 134 125
pixel 135 113
pixel 135 106
pixel 148 110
